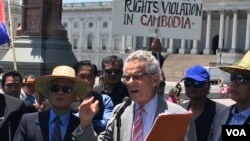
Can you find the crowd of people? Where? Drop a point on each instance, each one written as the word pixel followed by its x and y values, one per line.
pixel 67 105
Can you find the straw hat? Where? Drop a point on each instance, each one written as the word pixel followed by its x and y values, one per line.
pixel 42 83
pixel 243 67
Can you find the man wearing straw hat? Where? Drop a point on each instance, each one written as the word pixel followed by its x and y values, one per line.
pixel 239 113
pixel 57 123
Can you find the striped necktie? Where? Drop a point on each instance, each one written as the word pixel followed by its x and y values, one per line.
pixel 56 135
pixel 138 126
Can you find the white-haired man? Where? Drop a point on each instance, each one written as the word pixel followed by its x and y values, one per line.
pixel 142 76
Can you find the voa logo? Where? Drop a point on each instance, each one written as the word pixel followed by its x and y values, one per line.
pixel 236 132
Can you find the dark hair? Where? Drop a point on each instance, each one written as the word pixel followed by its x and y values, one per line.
pixel 85 63
pixel 112 60
pixel 163 75
pixel 13 74
pixel 178 88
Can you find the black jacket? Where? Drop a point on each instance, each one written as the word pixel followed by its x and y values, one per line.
pixel 11 111
pixel 35 127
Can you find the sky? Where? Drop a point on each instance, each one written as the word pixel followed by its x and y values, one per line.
pixel 79 1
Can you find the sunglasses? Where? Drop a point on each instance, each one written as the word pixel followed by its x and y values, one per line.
pixel 9 85
pixel 115 71
pixel 188 83
pixel 65 89
pixel 134 76
pixel 241 79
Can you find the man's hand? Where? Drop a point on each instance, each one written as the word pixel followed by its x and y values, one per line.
pixel 87 111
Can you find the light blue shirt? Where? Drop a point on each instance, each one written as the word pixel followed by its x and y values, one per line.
pixel 239 118
pixel 65 121
pixel 148 115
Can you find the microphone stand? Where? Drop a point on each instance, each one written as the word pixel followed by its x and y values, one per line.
pixel 118 125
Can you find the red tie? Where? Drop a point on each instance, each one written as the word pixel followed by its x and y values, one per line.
pixel 138 126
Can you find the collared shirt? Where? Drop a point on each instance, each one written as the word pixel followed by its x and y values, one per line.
pixel 148 115
pixel 28 99
pixel 65 121
pixel 239 118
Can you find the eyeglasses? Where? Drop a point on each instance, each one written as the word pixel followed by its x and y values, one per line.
pixel 115 71
pixel 135 76
pixel 162 84
pixel 65 89
pixel 241 79
pixel 188 83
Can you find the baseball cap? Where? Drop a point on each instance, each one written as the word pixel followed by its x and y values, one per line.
pixel 197 73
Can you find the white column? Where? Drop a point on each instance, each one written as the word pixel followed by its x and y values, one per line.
pixel 207 49
pixel 145 42
pixel 234 33
pixel 221 35
pixel 70 30
pixel 134 43
pixel 81 40
pixel 123 44
pixel 110 45
pixel 226 46
pixel 160 39
pixel 171 45
pixel 247 44
pixel 182 50
pixel 97 43
pixel 166 43
pixel 194 49
pixel 129 42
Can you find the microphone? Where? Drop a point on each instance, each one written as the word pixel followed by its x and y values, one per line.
pixel 126 101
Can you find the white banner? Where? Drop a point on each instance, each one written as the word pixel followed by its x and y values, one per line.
pixel 179 19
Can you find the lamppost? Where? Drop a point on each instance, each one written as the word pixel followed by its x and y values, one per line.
pixel 219 52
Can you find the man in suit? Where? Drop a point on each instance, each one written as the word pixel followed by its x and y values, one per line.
pixel 239 113
pixel 11 111
pixel 142 76
pixel 58 123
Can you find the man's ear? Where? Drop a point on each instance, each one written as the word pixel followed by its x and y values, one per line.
pixel 208 87
pixel 156 79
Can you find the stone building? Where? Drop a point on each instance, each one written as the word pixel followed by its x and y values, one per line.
pixel 225 26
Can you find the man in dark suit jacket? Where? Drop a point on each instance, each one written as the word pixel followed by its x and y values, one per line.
pixel 11 111
pixel 58 123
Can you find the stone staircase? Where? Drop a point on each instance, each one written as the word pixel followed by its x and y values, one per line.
pixel 3 51
pixel 175 65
